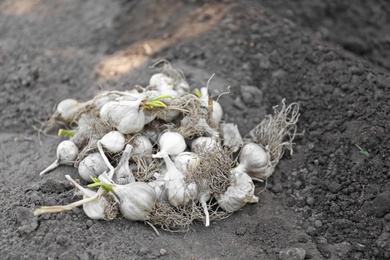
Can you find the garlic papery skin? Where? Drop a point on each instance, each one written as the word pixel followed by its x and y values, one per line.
pixel 186 162
pixel 203 145
pixel 161 82
pixel 123 173
pixel 94 209
pixel 113 141
pixel 231 136
pixel 142 146
pixel 238 194
pixel 66 154
pixel 216 114
pixel 125 116
pixel 159 187
pixel 92 166
pixel 137 200
pixel 67 109
pixel 170 143
pixel 179 192
pixel 255 161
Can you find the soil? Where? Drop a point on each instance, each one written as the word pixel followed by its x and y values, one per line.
pixel 329 200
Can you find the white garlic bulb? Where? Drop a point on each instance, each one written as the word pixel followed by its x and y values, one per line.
pixel 231 136
pixel 66 154
pixel 203 145
pixel 186 161
pixel 113 141
pixel 182 87
pixel 170 143
pixel 161 82
pixel 142 146
pixel 239 193
pixel 179 192
pixel 125 116
pixel 255 161
pixel 92 166
pixel 94 209
pixel 67 109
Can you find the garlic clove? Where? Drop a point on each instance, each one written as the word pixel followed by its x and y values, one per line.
pixel 92 166
pixel 216 114
pixel 66 154
pixel 113 141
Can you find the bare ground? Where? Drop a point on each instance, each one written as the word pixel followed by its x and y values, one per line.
pixel 328 198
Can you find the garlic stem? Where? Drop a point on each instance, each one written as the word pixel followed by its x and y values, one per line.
pixel 51 167
pixel 55 209
pixel 112 170
pixel 86 192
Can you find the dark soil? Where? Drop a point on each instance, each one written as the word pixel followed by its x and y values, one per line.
pixel 328 200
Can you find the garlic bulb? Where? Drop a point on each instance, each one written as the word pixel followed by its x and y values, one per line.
pixel 113 141
pixel 92 166
pixel 136 200
pixel 94 209
pixel 66 154
pixel 182 87
pixel 84 130
pixel 203 145
pixel 122 172
pixel 142 146
pixel 255 161
pixel 67 109
pixel 179 192
pixel 161 82
pixel 170 143
pixel 186 161
pixel 216 114
pixel 239 193
pixel 125 116
pixel 231 136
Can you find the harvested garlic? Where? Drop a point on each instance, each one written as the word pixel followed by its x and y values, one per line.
pixel 136 200
pixel 255 161
pixel 170 143
pixel 113 141
pixel 231 136
pixel 186 161
pixel 142 146
pixel 122 171
pixel 179 192
pixel 66 154
pixel 125 116
pixel 94 209
pixel 203 145
pixel 161 82
pixel 67 109
pixel 92 166
pixel 239 193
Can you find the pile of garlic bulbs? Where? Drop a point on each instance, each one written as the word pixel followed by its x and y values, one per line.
pixel 162 154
